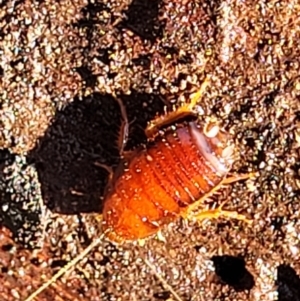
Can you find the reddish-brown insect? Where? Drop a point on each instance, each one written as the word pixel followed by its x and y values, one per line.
pixel 163 179
pixel 169 177
pixel 181 165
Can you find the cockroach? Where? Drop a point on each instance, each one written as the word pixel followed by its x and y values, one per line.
pixel 181 165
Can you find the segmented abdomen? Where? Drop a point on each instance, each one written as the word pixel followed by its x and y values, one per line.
pixel 168 175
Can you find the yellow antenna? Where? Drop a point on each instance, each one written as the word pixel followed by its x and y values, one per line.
pixel 162 280
pixel 67 267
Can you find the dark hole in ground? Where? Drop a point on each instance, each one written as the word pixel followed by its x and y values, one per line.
pixel 232 271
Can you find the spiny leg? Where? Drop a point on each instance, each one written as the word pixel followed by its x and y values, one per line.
pixel 122 140
pixel 124 133
pixel 124 130
pixel 237 178
pixel 190 214
pixel 217 213
pixel 184 111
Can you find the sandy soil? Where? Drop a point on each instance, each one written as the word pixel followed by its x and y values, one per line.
pixel 62 63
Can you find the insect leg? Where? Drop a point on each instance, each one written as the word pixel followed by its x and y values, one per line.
pixel 122 139
pixel 109 169
pixel 184 111
pixel 124 130
pixel 189 213
pixel 217 213
pixel 237 178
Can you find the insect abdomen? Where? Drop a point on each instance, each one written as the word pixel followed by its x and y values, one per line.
pixel 177 169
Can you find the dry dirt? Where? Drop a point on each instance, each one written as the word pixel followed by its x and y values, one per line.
pixel 62 63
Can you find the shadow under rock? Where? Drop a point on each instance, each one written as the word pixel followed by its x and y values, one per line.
pixel 84 133
pixel 288 283
pixel 232 271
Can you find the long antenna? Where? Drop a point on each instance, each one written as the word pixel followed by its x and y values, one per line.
pixel 66 268
pixel 162 280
